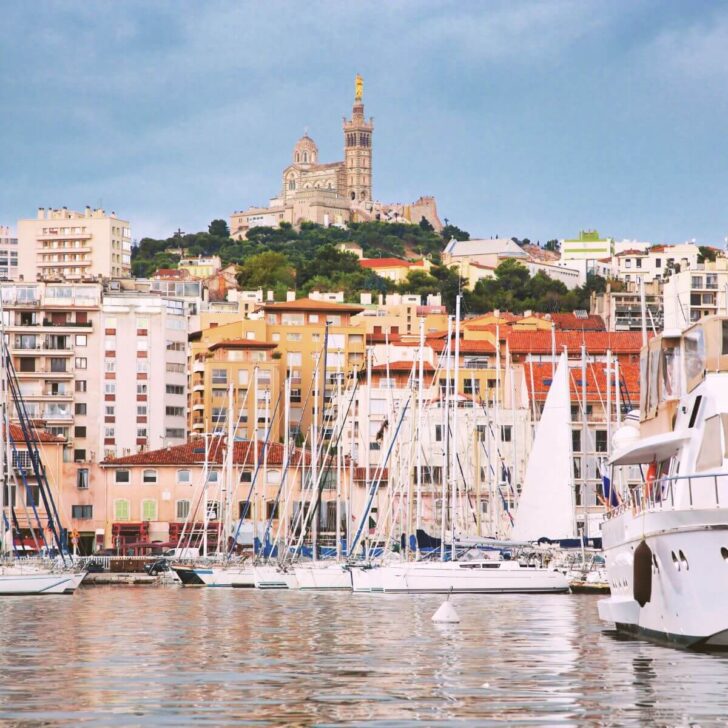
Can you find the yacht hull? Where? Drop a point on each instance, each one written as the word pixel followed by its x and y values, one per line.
pixel 19 584
pixel 232 577
pixel 271 577
pixel 323 577
pixel 688 600
pixel 458 578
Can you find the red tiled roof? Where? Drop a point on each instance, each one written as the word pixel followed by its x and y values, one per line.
pixel 384 263
pixel 242 344
pixel 631 252
pixel 570 322
pixel 193 453
pixel 171 273
pixel 539 342
pixel 596 382
pixel 308 304
pixel 39 435
pixel 403 366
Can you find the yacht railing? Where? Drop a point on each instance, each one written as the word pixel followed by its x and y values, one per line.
pixel 676 493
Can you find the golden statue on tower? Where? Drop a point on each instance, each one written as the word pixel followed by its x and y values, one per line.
pixel 358 87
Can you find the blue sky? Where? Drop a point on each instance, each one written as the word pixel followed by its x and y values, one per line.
pixel 533 119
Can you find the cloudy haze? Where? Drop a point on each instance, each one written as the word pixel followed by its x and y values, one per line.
pixel 532 119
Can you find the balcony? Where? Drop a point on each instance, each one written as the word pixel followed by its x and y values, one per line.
pixel 63 263
pixel 199 366
pixel 58 234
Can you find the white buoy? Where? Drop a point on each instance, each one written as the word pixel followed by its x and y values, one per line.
pixel 446 613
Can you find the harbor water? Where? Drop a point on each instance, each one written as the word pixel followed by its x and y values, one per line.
pixel 129 656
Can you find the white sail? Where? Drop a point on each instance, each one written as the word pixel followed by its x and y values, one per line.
pixel 546 505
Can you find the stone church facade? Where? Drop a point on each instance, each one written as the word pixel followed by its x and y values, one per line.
pixel 334 193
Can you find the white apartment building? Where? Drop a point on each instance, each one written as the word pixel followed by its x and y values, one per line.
pixel 143 368
pixel 54 341
pixel 8 254
pixel 657 262
pixel 64 245
pixel 692 294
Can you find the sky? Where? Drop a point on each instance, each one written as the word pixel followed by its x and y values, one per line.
pixel 527 119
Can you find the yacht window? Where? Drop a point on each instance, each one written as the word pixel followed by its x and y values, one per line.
pixel 696 409
pixel 694 354
pixel 670 372
pixel 711 448
pixel 653 382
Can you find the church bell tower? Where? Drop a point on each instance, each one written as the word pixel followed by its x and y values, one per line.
pixel 358 149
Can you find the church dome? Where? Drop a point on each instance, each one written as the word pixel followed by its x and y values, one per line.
pixel 305 151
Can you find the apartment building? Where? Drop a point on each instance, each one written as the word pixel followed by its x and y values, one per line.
pixel 143 372
pixel 65 245
pixel 622 310
pixel 8 254
pixel 297 333
pixel 398 315
pixel 657 262
pixel 692 294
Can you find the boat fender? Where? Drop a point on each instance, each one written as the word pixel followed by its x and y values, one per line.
pixel 642 573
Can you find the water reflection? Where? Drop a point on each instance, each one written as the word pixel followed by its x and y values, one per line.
pixel 143 656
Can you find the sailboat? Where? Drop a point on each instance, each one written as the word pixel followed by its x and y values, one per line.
pixel 546 505
pixel 460 574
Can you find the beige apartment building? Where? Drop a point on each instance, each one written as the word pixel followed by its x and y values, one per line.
pixel 64 245
pixel 285 340
pixel 8 254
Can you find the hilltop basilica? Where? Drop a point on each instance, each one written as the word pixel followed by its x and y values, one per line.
pixel 333 193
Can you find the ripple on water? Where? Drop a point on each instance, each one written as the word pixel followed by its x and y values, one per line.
pixel 172 656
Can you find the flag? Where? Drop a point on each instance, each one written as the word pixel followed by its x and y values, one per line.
pixel 610 494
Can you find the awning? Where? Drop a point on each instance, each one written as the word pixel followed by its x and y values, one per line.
pixel 650 449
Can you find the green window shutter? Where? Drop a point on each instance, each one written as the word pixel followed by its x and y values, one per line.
pixel 149 510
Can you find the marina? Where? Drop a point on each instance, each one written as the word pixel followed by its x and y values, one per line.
pixel 238 657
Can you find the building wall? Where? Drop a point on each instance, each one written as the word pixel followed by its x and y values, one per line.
pixel 68 245
pixel 8 254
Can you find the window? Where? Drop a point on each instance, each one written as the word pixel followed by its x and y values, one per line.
pixel 149 510
pixel 577 468
pixel 79 408
pixel 183 509
pixel 658 262
pixel 601 440
pixel 149 476
pixel 79 431
pixel 175 389
pixel 184 477
pixel 576 441
pixel 81 362
pixel 506 433
pixel 109 387
pixel 174 368
pixel 142 344
pixel 79 455
pixel 109 410
pixel 175 346
pixel 121 509
pixel 81 339
pixel 82 478
pixel 141 432
pixel 219 376
pixel 141 388
pixel 82 513
pixel 175 411
pixel 110 343
pixel 246 476
pixel 80 385
pixel 122 476
pixel 711 448
pixel 142 366
pixel 174 432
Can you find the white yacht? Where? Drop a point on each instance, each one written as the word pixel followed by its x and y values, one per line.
pixel 666 540
pixel 323 576
pixel 17 580
pixel 271 576
pixel 481 576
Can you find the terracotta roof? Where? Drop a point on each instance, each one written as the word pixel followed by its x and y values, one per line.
pixel 193 453
pixel 39 435
pixel 570 322
pixel 384 263
pixel 539 342
pixel 631 252
pixel 596 382
pixel 308 304
pixel 242 344
pixel 402 366
pixel 172 273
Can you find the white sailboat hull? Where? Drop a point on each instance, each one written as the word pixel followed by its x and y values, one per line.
pixel 688 604
pixel 458 577
pixel 323 576
pixel 233 577
pixel 271 577
pixel 16 582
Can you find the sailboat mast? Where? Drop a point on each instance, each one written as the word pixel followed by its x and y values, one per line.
pixel 455 443
pixel 314 456
pixel 286 454
pixel 418 439
pixel 584 439
pixel 225 516
pixel 256 455
pixel 339 425
pixel 446 435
